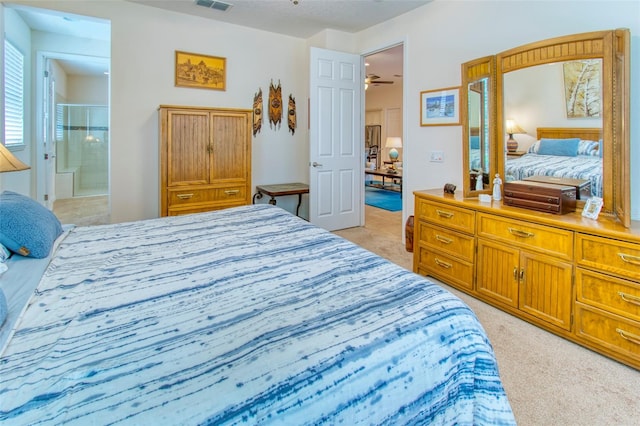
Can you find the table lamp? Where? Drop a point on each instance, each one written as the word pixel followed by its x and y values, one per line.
pixel 512 128
pixel 393 142
pixel 8 162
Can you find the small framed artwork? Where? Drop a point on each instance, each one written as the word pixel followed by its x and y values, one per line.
pixel 440 107
pixel 592 207
pixel 201 71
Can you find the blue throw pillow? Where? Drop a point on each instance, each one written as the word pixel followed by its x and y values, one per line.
pixel 475 142
pixel 27 227
pixel 563 147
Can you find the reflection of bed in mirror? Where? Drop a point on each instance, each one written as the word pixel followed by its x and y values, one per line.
pixel 563 153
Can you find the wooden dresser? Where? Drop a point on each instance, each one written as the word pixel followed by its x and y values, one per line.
pixel 570 275
pixel 205 159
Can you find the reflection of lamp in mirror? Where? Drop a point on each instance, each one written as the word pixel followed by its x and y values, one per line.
pixel 511 129
pixel 8 162
pixel 393 143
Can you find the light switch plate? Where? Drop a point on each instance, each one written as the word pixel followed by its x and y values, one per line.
pixel 437 156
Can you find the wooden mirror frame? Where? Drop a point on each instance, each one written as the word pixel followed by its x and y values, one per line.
pixel 613 47
pixel 472 72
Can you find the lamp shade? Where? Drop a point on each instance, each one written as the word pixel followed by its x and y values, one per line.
pixel 393 142
pixel 8 161
pixel 513 128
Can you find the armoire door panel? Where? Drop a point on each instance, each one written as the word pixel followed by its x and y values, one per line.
pixel 188 138
pixel 229 152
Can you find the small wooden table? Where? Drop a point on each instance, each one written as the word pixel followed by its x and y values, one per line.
pixel 281 189
pixel 386 174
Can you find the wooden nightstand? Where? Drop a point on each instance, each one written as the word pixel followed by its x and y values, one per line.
pixel 516 153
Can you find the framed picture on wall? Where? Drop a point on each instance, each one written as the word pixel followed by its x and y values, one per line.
pixel 201 71
pixel 440 107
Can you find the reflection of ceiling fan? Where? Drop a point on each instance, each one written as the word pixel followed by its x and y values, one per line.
pixel 374 80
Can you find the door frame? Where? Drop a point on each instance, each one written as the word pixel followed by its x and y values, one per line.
pixel 42 56
pixel 392 43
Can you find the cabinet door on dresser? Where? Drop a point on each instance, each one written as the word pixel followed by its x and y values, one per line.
pixel 526 266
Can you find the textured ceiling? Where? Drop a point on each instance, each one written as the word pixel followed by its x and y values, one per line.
pixel 302 20
pixel 306 18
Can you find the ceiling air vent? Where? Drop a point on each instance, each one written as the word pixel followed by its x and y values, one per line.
pixel 214 4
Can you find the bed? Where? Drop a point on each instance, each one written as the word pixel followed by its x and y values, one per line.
pixel 248 315
pixel 561 152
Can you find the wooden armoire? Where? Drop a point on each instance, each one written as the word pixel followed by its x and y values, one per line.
pixel 205 159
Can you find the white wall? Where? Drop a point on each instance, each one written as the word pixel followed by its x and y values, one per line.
pixel 143 44
pixel 437 38
pixel 443 34
pixel 18 33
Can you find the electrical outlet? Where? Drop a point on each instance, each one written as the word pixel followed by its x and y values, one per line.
pixel 437 156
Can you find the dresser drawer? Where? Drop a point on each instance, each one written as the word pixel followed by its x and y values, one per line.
pixel 611 294
pixel 544 239
pixel 447 268
pixel 452 217
pixel 608 255
pixel 447 241
pixel 195 196
pixel 612 332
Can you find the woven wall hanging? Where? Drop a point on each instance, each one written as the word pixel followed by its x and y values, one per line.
pixel 275 105
pixel 291 115
pixel 257 112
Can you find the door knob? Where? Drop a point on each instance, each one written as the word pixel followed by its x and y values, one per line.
pixel 314 164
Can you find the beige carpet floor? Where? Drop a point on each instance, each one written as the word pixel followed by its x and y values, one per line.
pixel 549 380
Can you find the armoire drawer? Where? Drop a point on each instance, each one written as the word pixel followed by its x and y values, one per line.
pixel 447 241
pixel 193 195
pixel 544 239
pixel 449 216
pixel 618 257
pixel 449 269
pixel 611 294
pixel 610 331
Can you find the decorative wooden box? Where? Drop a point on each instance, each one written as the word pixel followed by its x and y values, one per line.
pixel 583 186
pixel 545 197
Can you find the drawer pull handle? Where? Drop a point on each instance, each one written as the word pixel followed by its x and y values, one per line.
pixel 629 298
pixel 634 260
pixel 515 272
pixel 519 233
pixel 231 191
pixel 446 215
pixel 629 336
pixel 184 196
pixel 443 239
pixel 443 264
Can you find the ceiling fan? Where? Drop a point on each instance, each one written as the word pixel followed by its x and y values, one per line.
pixel 374 80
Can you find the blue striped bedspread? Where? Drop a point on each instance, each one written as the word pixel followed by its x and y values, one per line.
pixel 243 316
pixel 579 167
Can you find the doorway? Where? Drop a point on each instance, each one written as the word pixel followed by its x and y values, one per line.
pixel 384 99
pixel 72 112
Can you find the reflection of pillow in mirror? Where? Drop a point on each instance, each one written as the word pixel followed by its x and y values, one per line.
pixel 533 149
pixel 561 147
pixel 586 147
pixel 475 142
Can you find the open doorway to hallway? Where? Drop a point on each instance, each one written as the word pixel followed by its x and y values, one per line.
pixel 384 130
pixel 71 113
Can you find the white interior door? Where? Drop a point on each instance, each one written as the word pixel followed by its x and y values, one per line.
pixel 336 140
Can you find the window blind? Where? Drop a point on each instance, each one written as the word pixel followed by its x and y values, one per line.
pixel 13 95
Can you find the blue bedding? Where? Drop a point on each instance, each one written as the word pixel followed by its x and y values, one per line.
pixel 247 315
pixel 577 167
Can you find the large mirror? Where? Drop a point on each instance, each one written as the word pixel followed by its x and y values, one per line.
pixel 562 111
pixel 478 132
